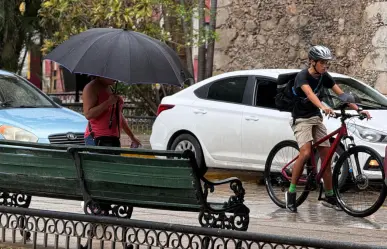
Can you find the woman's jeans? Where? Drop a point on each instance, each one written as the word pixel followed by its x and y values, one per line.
pixel 103 141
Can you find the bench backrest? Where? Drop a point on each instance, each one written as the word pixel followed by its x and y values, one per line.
pixel 50 170
pixel 47 172
pixel 147 182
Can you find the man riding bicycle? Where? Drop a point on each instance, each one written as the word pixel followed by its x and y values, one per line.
pixel 307 120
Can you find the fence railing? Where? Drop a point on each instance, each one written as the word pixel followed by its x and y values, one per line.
pixel 40 228
pixel 138 124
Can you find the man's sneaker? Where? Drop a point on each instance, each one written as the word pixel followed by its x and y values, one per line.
pixel 290 200
pixel 331 202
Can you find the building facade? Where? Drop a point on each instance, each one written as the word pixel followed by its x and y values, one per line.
pixel 278 33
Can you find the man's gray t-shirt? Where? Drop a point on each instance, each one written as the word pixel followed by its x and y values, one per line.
pixel 305 108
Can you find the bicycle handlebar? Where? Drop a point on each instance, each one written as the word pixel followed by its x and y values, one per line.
pixel 345 116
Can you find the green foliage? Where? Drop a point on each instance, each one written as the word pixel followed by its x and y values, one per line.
pixel 161 19
pixel 64 18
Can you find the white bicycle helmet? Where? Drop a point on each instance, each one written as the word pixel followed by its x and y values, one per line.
pixel 319 52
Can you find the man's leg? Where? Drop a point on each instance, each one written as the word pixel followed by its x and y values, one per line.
pixel 327 176
pixel 303 133
pixel 291 196
pixel 299 164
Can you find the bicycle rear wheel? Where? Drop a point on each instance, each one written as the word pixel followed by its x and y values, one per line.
pixel 276 184
pixel 364 190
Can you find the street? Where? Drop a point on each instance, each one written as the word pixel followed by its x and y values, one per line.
pixel 313 220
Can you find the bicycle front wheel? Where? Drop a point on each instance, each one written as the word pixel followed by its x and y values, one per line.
pixel 276 184
pixel 363 191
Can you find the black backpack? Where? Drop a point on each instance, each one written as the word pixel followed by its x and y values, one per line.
pixel 285 98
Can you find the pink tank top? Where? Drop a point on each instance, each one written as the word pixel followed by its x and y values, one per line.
pixel 100 125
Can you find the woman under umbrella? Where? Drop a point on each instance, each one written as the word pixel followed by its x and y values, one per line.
pixel 103 129
pixel 116 54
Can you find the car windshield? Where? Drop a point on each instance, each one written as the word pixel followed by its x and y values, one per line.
pixel 15 92
pixel 370 98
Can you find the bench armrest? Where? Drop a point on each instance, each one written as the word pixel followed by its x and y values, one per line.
pixel 235 186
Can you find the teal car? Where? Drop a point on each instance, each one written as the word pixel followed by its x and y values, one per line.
pixel 27 114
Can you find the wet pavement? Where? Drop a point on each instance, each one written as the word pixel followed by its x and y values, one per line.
pixel 313 220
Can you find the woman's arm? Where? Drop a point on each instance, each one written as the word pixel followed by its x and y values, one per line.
pixel 128 131
pixel 90 100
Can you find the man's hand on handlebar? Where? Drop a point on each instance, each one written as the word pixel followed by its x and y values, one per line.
pixel 366 113
pixel 328 111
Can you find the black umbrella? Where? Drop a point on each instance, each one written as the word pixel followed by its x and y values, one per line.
pixel 127 56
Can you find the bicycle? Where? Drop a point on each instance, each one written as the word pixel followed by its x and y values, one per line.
pixel 348 177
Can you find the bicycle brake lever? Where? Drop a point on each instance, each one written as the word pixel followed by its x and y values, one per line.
pixel 362 116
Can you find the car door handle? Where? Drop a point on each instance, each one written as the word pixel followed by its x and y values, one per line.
pixel 252 118
pixel 200 111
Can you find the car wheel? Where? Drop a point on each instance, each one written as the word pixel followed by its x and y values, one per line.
pixel 188 142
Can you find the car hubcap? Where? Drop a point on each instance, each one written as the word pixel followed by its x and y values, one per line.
pixel 185 145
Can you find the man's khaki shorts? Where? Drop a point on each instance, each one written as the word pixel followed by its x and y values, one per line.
pixel 309 129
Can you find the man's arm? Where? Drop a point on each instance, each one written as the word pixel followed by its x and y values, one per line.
pixel 314 99
pixel 336 89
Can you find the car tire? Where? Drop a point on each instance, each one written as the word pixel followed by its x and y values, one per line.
pixel 187 141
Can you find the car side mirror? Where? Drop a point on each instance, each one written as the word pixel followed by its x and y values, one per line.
pixel 57 100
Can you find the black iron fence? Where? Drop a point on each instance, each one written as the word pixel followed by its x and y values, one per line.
pixel 39 228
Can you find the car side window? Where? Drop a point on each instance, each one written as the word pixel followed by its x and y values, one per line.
pixel 265 91
pixel 228 90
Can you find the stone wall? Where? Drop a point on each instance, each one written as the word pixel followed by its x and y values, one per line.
pixel 278 33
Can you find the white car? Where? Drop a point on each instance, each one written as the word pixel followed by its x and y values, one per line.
pixel 230 120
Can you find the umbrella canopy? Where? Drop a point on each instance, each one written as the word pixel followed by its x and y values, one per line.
pixel 127 56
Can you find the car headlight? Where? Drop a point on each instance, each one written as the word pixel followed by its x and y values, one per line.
pixel 17 134
pixel 367 134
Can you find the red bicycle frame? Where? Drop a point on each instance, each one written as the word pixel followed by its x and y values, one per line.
pixel 340 132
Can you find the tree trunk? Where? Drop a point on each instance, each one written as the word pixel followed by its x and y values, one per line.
pixel 202 48
pixel 211 42
pixel 15 31
pixel 188 48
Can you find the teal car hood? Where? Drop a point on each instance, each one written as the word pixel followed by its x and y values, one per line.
pixel 44 121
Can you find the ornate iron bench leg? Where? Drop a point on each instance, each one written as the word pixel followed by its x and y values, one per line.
pixel 91 206
pixel 238 219
pixel 108 209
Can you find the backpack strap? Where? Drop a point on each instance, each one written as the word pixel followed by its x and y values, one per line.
pixel 314 91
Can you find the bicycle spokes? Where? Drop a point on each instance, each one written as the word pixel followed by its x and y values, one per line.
pixel 362 191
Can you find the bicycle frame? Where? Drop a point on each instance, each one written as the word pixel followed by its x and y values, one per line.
pixel 341 133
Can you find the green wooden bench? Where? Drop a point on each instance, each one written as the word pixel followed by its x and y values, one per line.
pixel 111 184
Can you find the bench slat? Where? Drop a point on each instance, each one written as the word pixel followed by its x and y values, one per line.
pixel 42 185
pixel 136 194
pixel 141 175
pixel 139 166
pixel 140 181
pixel 34 165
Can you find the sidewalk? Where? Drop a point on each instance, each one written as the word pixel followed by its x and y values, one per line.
pixel 125 140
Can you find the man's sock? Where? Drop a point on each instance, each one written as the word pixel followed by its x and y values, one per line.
pixel 329 193
pixel 292 188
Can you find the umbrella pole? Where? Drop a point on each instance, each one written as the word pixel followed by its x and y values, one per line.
pixel 114 106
